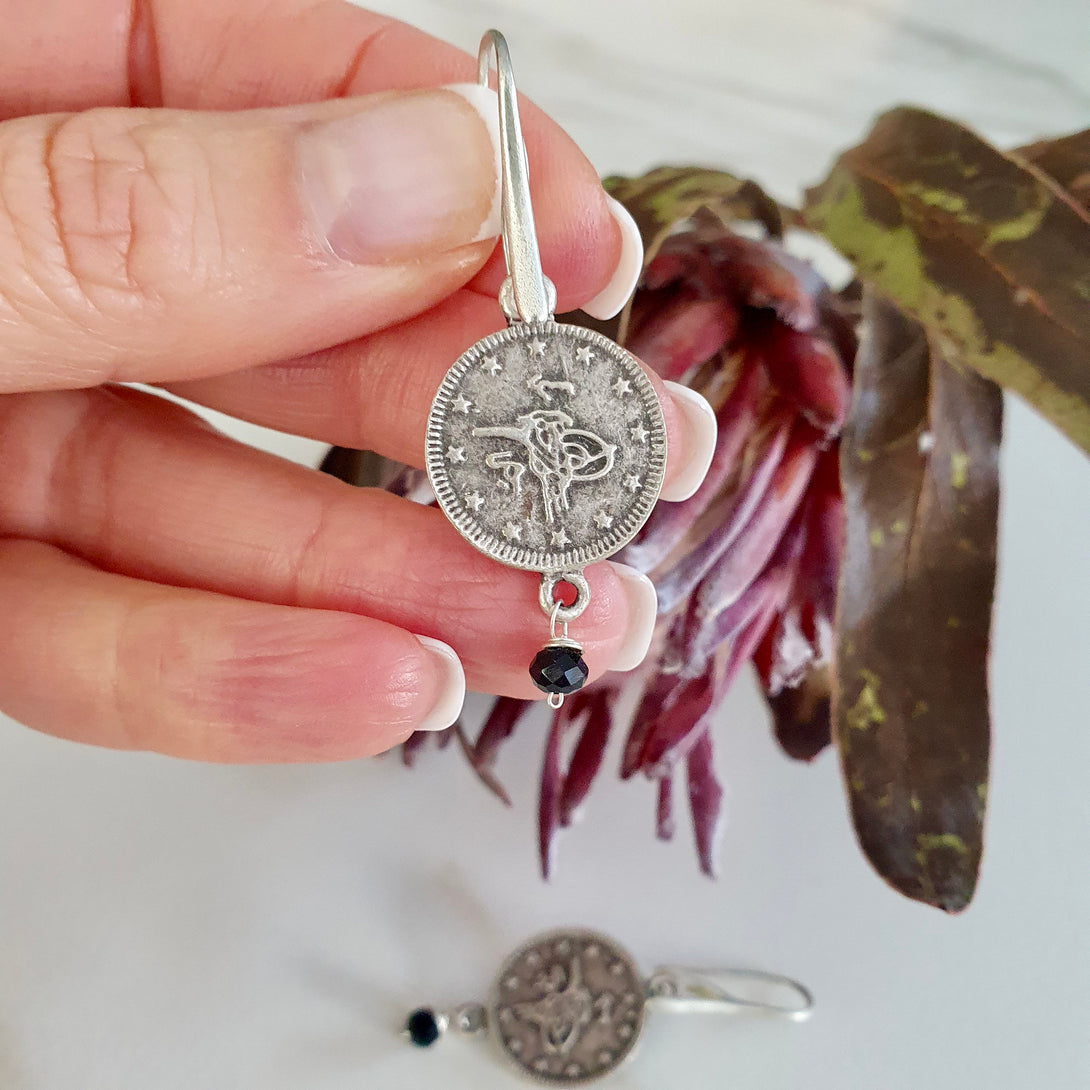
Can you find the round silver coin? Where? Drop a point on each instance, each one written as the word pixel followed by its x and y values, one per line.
pixel 567 1007
pixel 546 446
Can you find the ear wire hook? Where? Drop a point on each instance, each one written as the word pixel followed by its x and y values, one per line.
pixel 527 294
pixel 725 990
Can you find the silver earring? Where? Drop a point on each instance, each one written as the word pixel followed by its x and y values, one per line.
pixel 546 444
pixel 568 1006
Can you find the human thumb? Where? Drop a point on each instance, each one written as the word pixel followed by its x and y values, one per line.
pixel 154 245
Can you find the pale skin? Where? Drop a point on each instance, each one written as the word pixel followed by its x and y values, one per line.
pixel 163 586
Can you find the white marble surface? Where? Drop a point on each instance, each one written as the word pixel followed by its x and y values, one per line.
pixel 166 925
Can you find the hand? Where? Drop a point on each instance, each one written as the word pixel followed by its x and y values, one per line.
pixel 190 198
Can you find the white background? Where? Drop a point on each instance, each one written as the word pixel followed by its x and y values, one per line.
pixel 168 925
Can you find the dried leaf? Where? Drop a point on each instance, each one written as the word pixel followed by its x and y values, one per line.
pixel 910 699
pixel 1066 161
pixel 662 198
pixel 987 251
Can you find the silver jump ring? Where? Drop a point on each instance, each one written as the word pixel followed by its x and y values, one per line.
pixel 556 610
pixel 554 618
pixel 527 294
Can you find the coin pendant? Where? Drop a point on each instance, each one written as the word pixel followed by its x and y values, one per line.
pixel 568 1007
pixel 546 446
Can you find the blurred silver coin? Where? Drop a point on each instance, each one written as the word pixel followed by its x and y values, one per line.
pixel 568 1007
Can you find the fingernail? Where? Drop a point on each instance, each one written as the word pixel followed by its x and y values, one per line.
pixel 701 430
pixel 452 686
pixel 643 608
pixel 407 176
pixel 615 294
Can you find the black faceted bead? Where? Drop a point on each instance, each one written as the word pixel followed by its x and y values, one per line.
pixel 422 1027
pixel 558 670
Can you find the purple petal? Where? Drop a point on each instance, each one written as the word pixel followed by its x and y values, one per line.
pixel 589 751
pixel 751 548
pixel 667 267
pixel 664 810
pixel 752 519
pixel 767 276
pixel 686 332
pixel 764 597
pixel 410 483
pixel 807 370
pixel 705 801
pixel 482 769
pixel 656 700
pixel 690 702
pixel 548 811
pixel 412 746
pixel 670 522
pixel 744 623
pixel 819 566
pixel 498 727
pixel 712 623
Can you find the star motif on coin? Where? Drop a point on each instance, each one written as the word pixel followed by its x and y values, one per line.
pixel 490 363
pixel 639 433
pixel 462 404
pixel 583 355
pixel 603 521
pixel 632 482
pixel 474 501
pixel 537 347
pixel 622 386
pixel 512 531
pixel 456 454
pixel 560 537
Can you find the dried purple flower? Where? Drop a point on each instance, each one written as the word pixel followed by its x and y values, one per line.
pixel 746 569
pixel 953 301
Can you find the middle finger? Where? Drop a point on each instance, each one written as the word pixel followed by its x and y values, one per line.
pixel 375 393
pixel 140 486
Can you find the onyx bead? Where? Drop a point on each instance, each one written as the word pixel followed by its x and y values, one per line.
pixel 558 669
pixel 422 1027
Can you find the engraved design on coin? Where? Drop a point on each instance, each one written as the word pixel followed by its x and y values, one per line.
pixel 556 453
pixel 546 446
pixel 568 1007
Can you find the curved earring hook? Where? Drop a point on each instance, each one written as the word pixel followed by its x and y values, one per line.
pixel 726 990
pixel 527 294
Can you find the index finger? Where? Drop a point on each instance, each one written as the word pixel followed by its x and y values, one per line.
pixel 67 55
